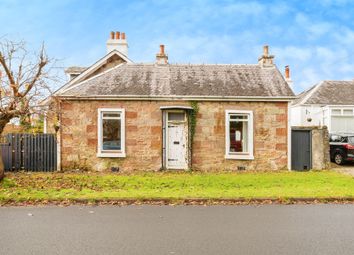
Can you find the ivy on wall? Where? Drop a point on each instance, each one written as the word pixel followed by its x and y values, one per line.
pixel 192 119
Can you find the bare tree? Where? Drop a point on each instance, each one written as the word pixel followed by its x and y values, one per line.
pixel 24 79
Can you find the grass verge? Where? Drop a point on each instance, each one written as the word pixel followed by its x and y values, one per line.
pixel 27 187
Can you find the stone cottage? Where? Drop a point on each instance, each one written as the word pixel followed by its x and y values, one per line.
pixel 126 116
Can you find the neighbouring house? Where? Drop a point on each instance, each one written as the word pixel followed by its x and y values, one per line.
pixel 12 128
pixel 328 103
pixel 121 115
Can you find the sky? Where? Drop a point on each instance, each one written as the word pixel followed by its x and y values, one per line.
pixel 315 37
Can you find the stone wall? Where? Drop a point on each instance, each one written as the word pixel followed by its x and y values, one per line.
pixel 320 148
pixel 78 135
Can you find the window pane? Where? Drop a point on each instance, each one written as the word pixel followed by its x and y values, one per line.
pixel 238 136
pixel 335 138
pixel 111 134
pixel 336 111
pixel 351 139
pixel 111 114
pixel 176 116
pixel 238 117
pixel 348 112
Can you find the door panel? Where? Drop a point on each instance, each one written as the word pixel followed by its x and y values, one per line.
pixel 176 146
pixel 301 150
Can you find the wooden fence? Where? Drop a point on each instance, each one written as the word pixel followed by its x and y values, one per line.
pixel 29 152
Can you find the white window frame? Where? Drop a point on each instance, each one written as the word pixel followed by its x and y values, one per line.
pixel 336 109
pixel 346 109
pixel 341 112
pixel 239 155
pixel 110 154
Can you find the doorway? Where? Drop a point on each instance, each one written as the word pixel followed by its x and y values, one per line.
pixel 176 139
pixel 301 150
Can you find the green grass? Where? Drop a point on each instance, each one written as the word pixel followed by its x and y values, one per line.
pixel 248 185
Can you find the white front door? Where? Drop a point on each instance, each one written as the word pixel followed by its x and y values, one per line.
pixel 176 145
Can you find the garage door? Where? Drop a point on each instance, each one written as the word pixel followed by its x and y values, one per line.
pixel 343 124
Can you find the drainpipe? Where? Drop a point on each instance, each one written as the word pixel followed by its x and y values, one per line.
pixel 289 137
pixel 60 140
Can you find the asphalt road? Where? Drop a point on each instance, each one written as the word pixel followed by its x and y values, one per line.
pixel 271 229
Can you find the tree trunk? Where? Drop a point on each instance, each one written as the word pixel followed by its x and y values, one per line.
pixel 3 122
pixel 2 169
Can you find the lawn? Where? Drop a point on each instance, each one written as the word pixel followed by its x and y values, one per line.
pixel 176 186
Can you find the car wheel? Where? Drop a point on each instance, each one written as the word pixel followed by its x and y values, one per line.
pixel 338 159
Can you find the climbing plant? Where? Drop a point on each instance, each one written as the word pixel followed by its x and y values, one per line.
pixel 193 119
pixel 192 123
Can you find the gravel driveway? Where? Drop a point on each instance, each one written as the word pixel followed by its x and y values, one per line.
pixel 348 168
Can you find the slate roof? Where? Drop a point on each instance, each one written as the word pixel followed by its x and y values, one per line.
pixel 184 80
pixel 328 93
pixel 75 69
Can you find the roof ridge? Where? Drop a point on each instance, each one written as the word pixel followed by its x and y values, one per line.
pixel 187 64
pixel 352 81
pixel 311 92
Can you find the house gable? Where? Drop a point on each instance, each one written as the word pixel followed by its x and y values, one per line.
pixel 110 60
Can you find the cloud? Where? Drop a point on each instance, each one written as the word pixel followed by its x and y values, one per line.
pixel 244 8
pixel 330 3
pixel 293 53
pixel 313 29
pixel 315 38
pixel 310 76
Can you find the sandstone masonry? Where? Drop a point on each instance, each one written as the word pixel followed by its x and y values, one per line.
pixel 143 124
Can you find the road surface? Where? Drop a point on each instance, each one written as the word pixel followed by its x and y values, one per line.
pixel 268 229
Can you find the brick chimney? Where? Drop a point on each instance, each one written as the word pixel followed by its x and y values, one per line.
pixel 161 57
pixel 287 76
pixel 117 41
pixel 266 60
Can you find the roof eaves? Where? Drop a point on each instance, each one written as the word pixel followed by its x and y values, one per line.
pixel 180 97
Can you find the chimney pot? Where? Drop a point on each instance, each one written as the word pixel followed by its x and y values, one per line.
pixel 287 72
pixel 266 60
pixel 162 49
pixel 115 42
pixel 161 57
pixel 266 50
pixel 287 76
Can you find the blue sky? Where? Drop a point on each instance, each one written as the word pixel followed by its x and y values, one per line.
pixel 316 38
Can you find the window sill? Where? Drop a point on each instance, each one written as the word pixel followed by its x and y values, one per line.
pixel 245 157
pixel 111 155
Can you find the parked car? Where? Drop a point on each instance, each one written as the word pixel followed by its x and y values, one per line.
pixel 341 148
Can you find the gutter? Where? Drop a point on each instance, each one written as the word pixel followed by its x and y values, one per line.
pixel 182 98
